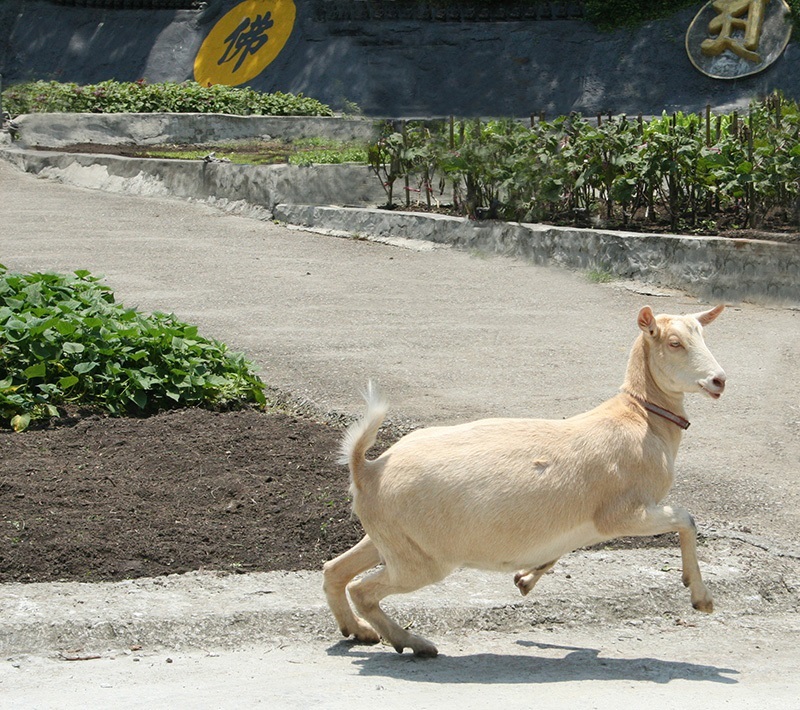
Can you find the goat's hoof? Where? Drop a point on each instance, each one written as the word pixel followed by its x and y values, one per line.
pixel 426 650
pixel 704 605
pixel 363 633
pixel 523 582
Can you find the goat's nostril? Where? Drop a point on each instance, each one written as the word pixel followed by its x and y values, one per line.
pixel 719 382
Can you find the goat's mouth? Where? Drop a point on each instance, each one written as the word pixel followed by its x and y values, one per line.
pixel 714 394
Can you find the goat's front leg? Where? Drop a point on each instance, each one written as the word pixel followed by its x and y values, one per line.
pixel 337 574
pixel 527 579
pixel 658 520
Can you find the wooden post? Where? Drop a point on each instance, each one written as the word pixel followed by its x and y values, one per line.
pixel 405 167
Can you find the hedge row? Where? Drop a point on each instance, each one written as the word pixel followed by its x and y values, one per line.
pixel 141 97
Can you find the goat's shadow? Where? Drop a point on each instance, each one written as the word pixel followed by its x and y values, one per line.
pixel 577 664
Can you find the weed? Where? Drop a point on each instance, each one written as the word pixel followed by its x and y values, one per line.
pixel 599 276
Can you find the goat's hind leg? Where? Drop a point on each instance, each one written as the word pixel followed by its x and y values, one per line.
pixel 367 593
pixel 337 574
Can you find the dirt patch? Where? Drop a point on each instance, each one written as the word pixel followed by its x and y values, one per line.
pixel 98 498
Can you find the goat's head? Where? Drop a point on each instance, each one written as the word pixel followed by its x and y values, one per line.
pixel 678 357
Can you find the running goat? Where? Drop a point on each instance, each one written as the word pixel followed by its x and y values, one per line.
pixel 514 495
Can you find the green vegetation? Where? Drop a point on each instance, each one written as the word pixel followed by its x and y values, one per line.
pixel 794 7
pixel 598 276
pixel 141 97
pixel 684 171
pixel 63 339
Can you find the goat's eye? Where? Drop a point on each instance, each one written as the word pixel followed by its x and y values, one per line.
pixel 675 344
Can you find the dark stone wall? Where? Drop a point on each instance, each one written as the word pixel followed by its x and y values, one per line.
pixel 396 64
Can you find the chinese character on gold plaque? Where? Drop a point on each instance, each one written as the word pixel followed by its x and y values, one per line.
pixel 744 15
pixel 729 39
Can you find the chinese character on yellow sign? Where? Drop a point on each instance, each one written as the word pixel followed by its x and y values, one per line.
pixel 244 41
pixel 737 27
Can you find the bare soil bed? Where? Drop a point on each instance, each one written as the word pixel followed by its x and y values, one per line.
pixel 95 498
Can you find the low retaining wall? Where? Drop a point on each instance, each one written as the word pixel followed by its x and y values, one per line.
pixel 261 186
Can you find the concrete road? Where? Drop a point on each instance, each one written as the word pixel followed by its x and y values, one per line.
pixel 448 336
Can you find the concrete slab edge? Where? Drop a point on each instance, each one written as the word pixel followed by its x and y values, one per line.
pixel 59 129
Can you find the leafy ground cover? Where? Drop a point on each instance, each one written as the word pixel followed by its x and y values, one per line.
pixel 64 340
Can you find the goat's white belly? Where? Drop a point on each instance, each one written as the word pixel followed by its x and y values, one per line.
pixel 508 556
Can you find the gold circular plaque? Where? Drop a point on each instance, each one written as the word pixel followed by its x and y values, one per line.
pixel 729 39
pixel 244 41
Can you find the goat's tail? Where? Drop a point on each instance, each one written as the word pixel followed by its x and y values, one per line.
pixel 361 435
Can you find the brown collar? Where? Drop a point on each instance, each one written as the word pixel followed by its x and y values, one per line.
pixel 660 411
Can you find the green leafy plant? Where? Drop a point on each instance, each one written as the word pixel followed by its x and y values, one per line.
pixel 387 158
pixel 64 339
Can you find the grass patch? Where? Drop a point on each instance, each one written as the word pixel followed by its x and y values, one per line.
pixel 300 152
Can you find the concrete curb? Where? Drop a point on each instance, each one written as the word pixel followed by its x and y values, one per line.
pixel 58 129
pixel 257 187
pixel 712 267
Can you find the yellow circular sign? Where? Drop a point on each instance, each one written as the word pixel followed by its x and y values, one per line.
pixel 244 41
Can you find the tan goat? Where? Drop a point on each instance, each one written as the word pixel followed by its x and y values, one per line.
pixel 516 494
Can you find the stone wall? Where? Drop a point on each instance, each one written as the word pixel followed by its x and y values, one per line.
pixel 435 64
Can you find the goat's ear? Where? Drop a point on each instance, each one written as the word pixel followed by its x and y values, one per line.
pixel 647 322
pixel 707 317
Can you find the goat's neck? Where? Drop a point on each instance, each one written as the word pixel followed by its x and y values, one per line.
pixel 639 382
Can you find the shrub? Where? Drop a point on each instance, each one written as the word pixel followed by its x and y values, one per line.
pixel 610 14
pixel 684 170
pixel 141 97
pixel 64 339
